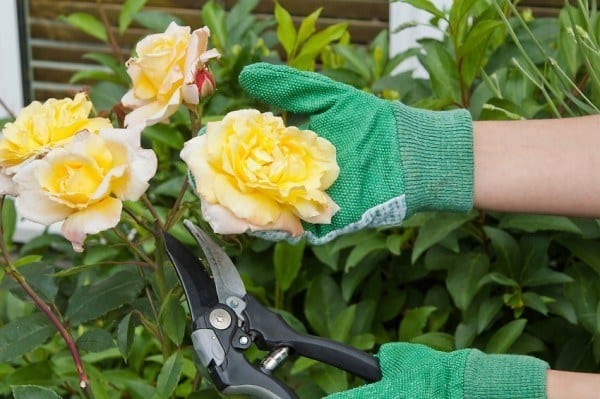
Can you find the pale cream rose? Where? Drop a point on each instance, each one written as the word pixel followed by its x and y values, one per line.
pixel 163 73
pixel 41 127
pixel 252 172
pixel 84 182
pixel 7 185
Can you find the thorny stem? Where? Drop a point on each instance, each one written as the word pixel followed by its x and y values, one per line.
pixel 151 209
pixel 172 215
pixel 84 381
pixel 114 45
pixel 134 248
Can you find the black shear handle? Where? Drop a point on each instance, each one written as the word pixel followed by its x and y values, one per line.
pixel 238 377
pixel 275 332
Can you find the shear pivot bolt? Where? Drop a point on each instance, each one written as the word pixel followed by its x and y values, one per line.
pixel 244 340
pixel 220 319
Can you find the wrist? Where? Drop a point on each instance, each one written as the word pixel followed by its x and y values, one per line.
pixel 436 149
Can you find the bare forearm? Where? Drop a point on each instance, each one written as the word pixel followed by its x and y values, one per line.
pixel 569 385
pixel 538 166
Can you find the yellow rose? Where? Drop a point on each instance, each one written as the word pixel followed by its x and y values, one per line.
pixel 84 182
pixel 254 173
pixel 164 73
pixel 41 127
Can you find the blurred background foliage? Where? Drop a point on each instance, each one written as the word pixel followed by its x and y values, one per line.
pixel 504 283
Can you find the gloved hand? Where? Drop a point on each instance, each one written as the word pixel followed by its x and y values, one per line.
pixel 394 160
pixel 415 371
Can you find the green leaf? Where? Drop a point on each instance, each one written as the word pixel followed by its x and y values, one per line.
pixel 436 340
pixel 499 279
pixel 40 276
pixel 90 302
pixel 414 322
pixel 584 294
pixel 169 375
pixel 343 323
pixel 352 279
pixel 533 223
pixel 316 43
pixel 488 310
pixel 436 229
pixel 363 341
pixel 9 220
pixel 105 95
pixel 33 392
pixel 428 6
pixel 307 27
pixel 373 243
pixel 329 378
pixel 355 59
pixel 157 21
pixel 585 250
pixel 125 334
pixel 507 250
pixel 473 51
pixel 165 134
pixel 287 259
pixel 214 17
pixel 23 335
pixel 535 302
pixel 326 255
pixel 88 75
pixel 172 318
pixel 442 70
pixel 128 10
pixel 464 276
pixel 95 340
pixel 25 260
pixel 503 339
pixel 286 32
pixel 323 304
pixel 87 23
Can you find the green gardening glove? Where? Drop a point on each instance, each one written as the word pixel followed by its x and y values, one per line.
pixel 412 371
pixel 394 160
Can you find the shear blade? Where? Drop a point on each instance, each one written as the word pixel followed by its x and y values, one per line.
pixel 198 286
pixel 227 279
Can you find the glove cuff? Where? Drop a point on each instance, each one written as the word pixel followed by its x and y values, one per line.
pixel 504 377
pixel 436 149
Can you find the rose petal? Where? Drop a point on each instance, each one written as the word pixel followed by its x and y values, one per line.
pixel 153 112
pixel 223 221
pixel 7 185
pixel 94 219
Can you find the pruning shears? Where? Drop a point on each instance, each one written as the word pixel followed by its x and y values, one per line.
pixel 226 321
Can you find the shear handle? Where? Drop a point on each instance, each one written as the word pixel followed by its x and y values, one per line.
pixel 274 332
pixel 238 377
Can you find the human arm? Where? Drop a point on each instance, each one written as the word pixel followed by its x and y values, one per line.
pixel 549 166
pixel 572 385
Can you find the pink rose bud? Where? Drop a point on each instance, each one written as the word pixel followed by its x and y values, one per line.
pixel 205 82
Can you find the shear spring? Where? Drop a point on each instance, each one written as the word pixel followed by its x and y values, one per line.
pixel 275 358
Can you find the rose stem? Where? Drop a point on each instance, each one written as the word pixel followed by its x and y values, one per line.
pixel 84 382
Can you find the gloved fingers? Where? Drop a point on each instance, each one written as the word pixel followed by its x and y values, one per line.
pixel 290 89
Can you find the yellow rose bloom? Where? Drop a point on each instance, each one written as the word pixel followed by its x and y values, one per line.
pixel 253 173
pixel 164 72
pixel 41 127
pixel 85 182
